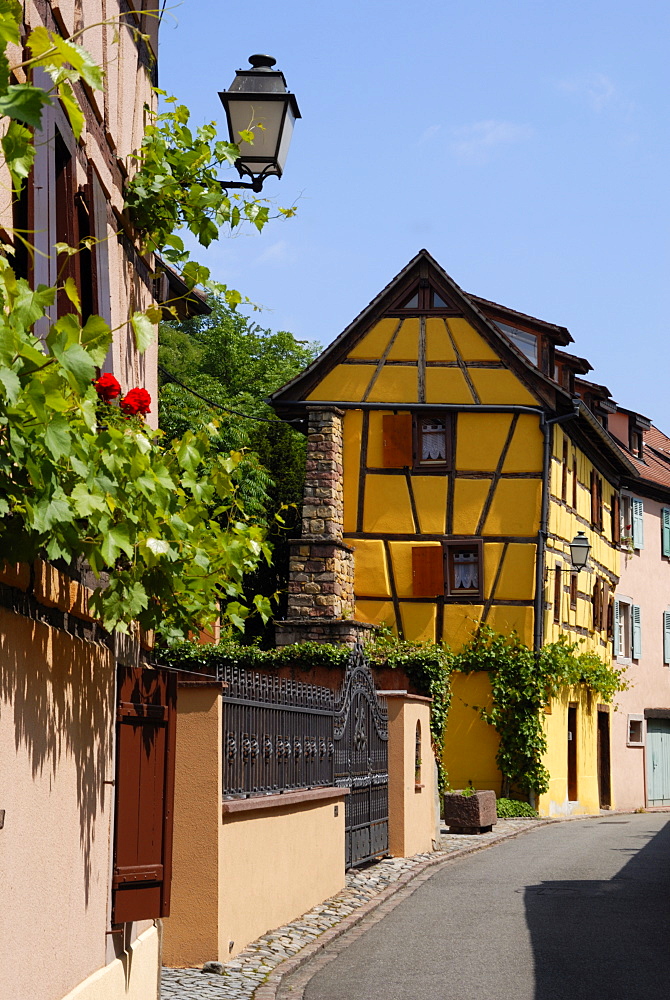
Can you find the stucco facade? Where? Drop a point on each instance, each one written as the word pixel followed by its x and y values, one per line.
pixel 468 467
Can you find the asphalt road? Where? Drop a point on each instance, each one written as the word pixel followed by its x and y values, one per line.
pixel 572 910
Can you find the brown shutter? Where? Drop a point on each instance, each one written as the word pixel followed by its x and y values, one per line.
pixel 427 571
pixel 604 607
pixel 564 473
pixel 67 223
pixel 616 519
pixel 594 500
pixel 558 592
pixel 145 736
pixel 599 493
pixel 397 434
pixel 597 605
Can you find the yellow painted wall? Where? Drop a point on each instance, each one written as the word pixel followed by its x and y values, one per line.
pixel 133 977
pixel 471 744
pixel 555 801
pixel 510 511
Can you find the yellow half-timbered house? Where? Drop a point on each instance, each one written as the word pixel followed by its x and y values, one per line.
pixel 466 466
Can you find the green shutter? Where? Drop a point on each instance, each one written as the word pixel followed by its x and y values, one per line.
pixel 666 637
pixel 637 508
pixel 617 630
pixel 637 631
pixel 665 529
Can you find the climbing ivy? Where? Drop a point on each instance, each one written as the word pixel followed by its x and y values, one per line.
pixel 522 684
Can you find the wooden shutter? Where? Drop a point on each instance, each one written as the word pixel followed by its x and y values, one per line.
pixel 666 637
pixel 665 530
pixel 145 736
pixel 558 591
pixel 604 607
pixel 616 519
pixel 427 571
pixel 67 223
pixel 637 508
pixel 397 440
pixel 597 604
pixel 617 630
pixel 610 619
pixel 636 628
pixel 594 500
pixel 564 473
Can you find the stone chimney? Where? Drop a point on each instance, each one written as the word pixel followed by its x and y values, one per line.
pixel 321 567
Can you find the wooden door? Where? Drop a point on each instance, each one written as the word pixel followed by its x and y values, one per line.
pixel 604 780
pixel 658 762
pixel 145 736
pixel 572 753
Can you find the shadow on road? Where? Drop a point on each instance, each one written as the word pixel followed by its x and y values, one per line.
pixel 606 939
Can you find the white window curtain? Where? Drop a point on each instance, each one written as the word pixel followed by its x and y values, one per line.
pixel 466 571
pixel 433 441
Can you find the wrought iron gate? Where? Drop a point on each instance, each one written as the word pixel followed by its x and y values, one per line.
pixel 361 761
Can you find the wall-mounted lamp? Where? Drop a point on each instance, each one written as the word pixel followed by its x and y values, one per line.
pixel 579 551
pixel 257 100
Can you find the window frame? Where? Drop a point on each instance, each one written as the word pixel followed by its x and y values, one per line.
pixel 417 440
pixel 635 717
pixel 448 545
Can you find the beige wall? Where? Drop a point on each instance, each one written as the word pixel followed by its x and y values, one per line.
pixel 250 865
pixel 56 711
pixel 134 976
pixel 275 865
pixel 411 803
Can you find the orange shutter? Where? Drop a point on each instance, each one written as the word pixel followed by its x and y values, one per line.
pixel 397 433
pixel 145 733
pixel 427 571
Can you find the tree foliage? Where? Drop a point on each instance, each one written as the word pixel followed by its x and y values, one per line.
pixel 228 359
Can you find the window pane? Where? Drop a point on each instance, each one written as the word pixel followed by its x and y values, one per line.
pixel 466 569
pixel 433 442
pixel 438 302
pixel 526 342
pixel 412 303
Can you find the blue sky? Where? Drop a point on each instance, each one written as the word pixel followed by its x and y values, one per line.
pixel 524 144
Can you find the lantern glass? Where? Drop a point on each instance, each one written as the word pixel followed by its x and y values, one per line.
pixel 258 101
pixel 579 551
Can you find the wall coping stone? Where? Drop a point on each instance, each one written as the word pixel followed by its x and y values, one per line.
pixel 298 797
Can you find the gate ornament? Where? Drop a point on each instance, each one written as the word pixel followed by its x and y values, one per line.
pixel 361 761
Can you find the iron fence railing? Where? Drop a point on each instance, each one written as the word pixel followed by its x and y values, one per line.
pixel 277 734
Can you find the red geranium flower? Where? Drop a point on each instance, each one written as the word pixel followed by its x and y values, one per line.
pixel 136 401
pixel 107 387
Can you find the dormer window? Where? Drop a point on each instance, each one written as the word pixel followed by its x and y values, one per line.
pixel 526 342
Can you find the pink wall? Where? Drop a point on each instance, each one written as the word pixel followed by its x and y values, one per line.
pixel 645 579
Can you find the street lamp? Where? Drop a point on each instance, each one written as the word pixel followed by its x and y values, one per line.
pixel 579 551
pixel 257 100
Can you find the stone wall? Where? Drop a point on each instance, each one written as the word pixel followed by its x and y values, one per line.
pixel 321 566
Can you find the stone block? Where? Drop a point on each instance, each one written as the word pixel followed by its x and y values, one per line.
pixel 470 813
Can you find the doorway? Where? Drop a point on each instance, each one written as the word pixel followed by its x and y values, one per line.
pixel 572 753
pixel 604 778
pixel 658 762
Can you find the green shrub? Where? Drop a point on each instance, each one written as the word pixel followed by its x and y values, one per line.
pixel 512 809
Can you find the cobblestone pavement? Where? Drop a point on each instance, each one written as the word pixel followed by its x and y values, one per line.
pixel 241 977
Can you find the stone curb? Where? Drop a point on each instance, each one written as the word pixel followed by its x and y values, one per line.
pixel 269 989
